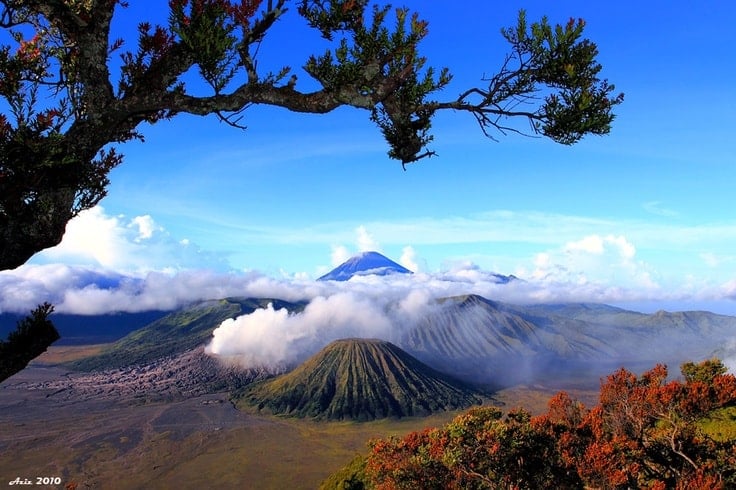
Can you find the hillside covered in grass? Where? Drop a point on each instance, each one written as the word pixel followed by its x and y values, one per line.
pixel 359 379
pixel 176 333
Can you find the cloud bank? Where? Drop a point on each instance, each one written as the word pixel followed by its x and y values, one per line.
pixel 589 269
pixel 85 290
pixel 114 263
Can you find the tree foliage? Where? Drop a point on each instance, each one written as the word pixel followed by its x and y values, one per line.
pixel 71 92
pixel 643 433
pixel 30 339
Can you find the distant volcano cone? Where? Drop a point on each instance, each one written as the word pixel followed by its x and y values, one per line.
pixel 366 263
pixel 360 379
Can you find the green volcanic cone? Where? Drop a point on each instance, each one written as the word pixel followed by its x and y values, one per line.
pixel 359 379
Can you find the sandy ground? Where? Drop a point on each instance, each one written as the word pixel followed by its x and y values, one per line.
pixel 41 419
pixel 144 428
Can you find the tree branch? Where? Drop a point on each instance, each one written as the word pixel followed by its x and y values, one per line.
pixel 318 102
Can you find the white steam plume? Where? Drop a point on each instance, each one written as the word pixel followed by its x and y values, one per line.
pixel 275 338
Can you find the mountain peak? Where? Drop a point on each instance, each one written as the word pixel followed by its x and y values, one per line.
pixel 365 264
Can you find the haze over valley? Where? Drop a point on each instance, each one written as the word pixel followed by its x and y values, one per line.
pixel 492 330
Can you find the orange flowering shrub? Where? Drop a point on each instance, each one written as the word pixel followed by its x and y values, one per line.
pixel 643 433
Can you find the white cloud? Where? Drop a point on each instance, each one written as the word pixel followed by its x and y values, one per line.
pixel 408 259
pixel 608 261
pixel 90 237
pixel 84 290
pixel 365 241
pixel 97 240
pixel 592 244
pixel 274 338
pixel 339 255
pixel 115 263
pixel 598 245
pixel 146 227
pixel 625 248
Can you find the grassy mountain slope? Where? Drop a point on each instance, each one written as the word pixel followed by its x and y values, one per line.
pixel 175 333
pixel 359 379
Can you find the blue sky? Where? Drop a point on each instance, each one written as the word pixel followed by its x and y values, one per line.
pixel 642 217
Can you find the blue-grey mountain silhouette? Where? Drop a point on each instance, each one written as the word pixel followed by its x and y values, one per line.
pixel 364 264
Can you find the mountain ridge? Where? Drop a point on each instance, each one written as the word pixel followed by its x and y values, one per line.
pixel 474 339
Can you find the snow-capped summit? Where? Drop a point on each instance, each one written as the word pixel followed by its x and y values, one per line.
pixel 364 264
